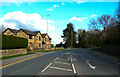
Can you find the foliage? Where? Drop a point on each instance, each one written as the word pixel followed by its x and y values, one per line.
pixel 11 42
pixel 60 45
pixel 69 36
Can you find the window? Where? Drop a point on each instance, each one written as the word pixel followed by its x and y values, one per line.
pixel 36 37
pixel 39 38
pixel 45 39
pixel 31 44
pixel 8 33
pixel 49 45
pixel 30 37
pixel 39 44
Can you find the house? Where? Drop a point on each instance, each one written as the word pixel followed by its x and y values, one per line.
pixel 46 40
pixel 35 38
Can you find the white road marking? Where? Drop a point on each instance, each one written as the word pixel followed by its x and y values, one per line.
pixel 87 60
pixel 56 58
pixel 63 63
pixel 46 67
pixel 74 68
pixel 71 60
pixel 60 68
pixel 93 67
pixel 67 53
pixel 62 59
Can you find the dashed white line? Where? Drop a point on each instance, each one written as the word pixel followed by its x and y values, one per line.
pixel 56 58
pixel 46 67
pixel 63 63
pixel 93 67
pixel 60 68
pixel 74 68
pixel 86 60
pixel 71 60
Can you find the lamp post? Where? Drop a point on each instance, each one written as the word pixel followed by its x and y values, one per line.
pixel 47 31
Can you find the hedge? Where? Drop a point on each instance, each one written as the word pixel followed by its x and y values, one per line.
pixel 12 42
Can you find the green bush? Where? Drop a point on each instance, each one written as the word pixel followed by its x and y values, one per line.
pixel 11 42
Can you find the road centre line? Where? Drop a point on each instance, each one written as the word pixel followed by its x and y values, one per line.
pixel 56 58
pixel 46 67
pixel 93 67
pixel 60 68
pixel 74 68
pixel 63 63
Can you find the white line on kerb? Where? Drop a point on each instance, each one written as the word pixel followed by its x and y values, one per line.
pixel 46 67
pixel 60 68
pixel 56 58
pixel 93 67
pixel 73 68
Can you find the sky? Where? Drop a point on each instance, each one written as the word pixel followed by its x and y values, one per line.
pixel 32 15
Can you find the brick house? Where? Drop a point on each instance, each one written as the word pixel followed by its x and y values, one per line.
pixel 35 38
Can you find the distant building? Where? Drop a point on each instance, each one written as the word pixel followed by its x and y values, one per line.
pixel 35 38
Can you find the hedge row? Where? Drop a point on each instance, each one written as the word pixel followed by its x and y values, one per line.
pixel 11 42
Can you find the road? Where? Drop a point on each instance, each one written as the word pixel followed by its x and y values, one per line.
pixel 72 62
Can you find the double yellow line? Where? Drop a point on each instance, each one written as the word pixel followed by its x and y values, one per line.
pixel 21 60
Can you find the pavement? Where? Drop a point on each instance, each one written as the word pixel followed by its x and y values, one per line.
pixel 14 59
pixel 72 62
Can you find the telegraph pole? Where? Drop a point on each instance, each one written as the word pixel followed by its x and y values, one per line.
pixel 47 31
pixel 71 38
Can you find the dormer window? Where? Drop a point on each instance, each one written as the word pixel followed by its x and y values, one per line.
pixel 30 37
pixel 37 38
pixel 45 39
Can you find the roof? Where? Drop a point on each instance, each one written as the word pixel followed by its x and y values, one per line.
pixel 33 33
pixel 12 30
pixel 43 35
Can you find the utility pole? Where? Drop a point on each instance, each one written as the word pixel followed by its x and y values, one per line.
pixel 47 31
pixel 71 38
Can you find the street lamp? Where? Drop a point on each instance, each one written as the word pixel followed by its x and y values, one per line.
pixel 47 31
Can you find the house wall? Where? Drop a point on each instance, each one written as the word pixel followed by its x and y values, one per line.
pixel 49 42
pixel 37 41
pixel 8 32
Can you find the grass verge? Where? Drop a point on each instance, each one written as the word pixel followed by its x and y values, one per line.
pixel 2 58
pixel 100 50
pixel 49 50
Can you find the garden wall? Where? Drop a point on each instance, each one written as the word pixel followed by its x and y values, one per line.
pixel 11 52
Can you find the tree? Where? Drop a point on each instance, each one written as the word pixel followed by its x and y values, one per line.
pixel 69 36
pixel 101 24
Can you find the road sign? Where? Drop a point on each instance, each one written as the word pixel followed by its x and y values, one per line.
pixel 54 44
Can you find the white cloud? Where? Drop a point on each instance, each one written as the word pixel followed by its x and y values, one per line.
pixel 50 9
pixel 92 16
pixel 63 3
pixel 79 1
pixel 56 6
pixel 28 21
pixel 56 38
pixel 76 19
pixel 85 18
